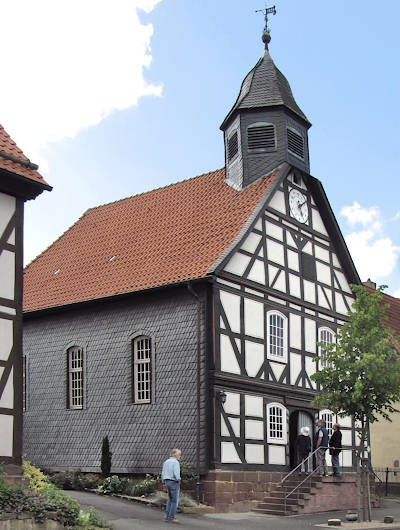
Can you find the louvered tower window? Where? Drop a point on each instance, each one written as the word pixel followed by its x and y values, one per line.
pixel 295 143
pixel 233 145
pixel 261 136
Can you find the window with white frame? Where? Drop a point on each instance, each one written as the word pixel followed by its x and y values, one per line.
pixel 75 377
pixel 327 416
pixel 276 423
pixel 142 370
pixel 276 336
pixel 326 336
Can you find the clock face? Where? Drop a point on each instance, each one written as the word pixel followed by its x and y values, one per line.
pixel 298 205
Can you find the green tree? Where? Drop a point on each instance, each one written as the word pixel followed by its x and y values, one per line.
pixel 105 457
pixel 361 374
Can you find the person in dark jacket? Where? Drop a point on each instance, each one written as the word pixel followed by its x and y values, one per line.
pixel 303 449
pixel 335 446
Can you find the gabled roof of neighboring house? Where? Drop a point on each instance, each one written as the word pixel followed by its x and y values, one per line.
pixel 162 237
pixel 13 160
pixel 393 309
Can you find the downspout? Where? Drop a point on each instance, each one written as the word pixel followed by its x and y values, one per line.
pixel 196 296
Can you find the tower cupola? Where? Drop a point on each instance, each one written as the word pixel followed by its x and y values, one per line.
pixel 265 126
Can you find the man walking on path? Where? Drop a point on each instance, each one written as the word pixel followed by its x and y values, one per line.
pixel 321 443
pixel 171 477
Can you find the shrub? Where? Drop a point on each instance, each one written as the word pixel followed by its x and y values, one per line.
pixel 143 487
pixel 188 474
pixel 161 498
pixel 111 485
pixel 63 480
pixel 91 481
pixel 105 457
pixel 14 500
pixel 37 479
pixel 92 519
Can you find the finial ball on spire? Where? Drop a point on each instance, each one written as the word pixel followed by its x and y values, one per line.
pixel 266 37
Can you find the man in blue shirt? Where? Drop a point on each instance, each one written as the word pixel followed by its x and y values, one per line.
pixel 321 443
pixel 171 477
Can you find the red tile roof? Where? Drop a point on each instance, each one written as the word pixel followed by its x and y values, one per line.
pixel 161 237
pixel 392 312
pixel 13 159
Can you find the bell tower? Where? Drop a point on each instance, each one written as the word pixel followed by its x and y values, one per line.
pixel 265 126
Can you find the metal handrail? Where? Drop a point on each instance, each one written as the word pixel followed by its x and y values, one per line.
pixel 308 477
pixel 297 467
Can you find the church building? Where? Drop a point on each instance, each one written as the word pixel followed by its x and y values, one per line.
pixel 189 316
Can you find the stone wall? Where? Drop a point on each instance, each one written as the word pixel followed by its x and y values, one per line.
pixel 237 491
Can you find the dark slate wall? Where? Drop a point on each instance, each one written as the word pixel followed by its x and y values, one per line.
pixel 140 435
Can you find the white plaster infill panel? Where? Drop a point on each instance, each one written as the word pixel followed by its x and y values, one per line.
pixel 251 242
pixel 237 264
pixel 310 335
pixel 231 304
pixel 6 438
pixel 295 367
pixel 254 318
pixel 295 331
pixel 6 338
pixel 254 430
pixel 7 274
pixel 275 252
pixel 257 272
pixel 7 397
pixel 277 202
pixel 277 369
pixel 310 369
pixel 254 357
pixel 229 454
pixel 277 454
pixel 254 453
pixel 317 222
pixel 228 358
pixel 235 425
pixel 253 406
pixel 232 403
pixel 7 209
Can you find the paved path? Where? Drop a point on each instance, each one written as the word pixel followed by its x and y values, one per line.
pixel 127 515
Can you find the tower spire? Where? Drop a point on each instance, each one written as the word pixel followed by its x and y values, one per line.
pixel 266 36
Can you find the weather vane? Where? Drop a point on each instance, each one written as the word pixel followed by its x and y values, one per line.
pixel 266 37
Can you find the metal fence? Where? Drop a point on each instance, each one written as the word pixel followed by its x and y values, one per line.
pixel 387 480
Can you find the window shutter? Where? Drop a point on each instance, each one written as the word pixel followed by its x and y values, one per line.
pixel 261 136
pixel 232 145
pixel 295 143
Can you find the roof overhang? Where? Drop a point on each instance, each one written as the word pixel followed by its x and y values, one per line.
pixel 21 187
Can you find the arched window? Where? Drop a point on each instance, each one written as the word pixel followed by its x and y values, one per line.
pixel 75 361
pixel 276 336
pixel 261 137
pixel 326 336
pixel 141 363
pixel 276 423
pixel 328 418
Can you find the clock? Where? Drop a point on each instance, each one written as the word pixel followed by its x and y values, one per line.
pixel 298 205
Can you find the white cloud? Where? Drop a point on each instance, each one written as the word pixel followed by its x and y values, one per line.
pixel 374 257
pixel 397 293
pixel 357 214
pixel 68 64
pixel 374 254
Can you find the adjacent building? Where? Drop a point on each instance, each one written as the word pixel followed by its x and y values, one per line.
pixel 19 182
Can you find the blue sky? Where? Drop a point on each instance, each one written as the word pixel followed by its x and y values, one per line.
pixel 112 101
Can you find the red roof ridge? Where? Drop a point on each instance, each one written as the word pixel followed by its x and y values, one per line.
pixel 153 190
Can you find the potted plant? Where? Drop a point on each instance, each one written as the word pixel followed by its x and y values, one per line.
pixel 351 515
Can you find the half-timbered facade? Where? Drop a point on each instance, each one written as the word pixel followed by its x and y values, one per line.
pixel 19 181
pixel 191 315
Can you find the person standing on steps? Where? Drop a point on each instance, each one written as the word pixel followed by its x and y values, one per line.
pixel 335 446
pixel 321 443
pixel 171 478
pixel 303 449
